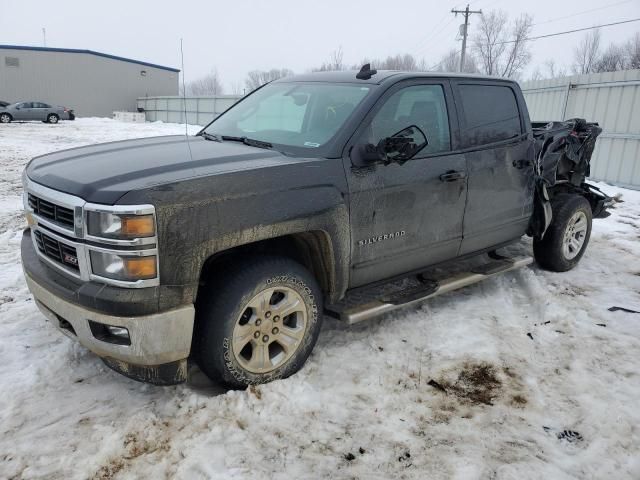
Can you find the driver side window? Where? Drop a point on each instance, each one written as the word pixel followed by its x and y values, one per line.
pixel 420 105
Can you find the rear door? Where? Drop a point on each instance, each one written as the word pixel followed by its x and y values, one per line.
pixel 404 217
pixel 498 147
pixel 40 111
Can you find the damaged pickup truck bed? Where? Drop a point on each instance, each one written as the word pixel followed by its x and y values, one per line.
pixel 312 195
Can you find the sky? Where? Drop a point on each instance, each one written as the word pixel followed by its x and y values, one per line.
pixel 234 37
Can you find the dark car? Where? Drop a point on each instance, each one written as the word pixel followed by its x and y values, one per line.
pixel 44 112
pixel 4 104
pixel 328 193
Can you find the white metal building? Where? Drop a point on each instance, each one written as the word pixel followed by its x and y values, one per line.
pixel 91 83
pixel 613 100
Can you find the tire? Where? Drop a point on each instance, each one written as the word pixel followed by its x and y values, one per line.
pixel 53 118
pixel 567 237
pixel 5 118
pixel 237 323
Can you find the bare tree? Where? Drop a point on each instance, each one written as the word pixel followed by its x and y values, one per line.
pixel 586 54
pixel 612 59
pixel 210 84
pixel 450 62
pixel 554 70
pixel 536 74
pixel 335 62
pixel 406 62
pixel 257 78
pixel 237 88
pixel 502 50
pixel 632 52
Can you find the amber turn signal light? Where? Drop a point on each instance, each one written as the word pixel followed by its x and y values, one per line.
pixel 138 226
pixel 140 267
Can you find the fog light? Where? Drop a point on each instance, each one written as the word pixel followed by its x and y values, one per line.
pixel 118 331
pixel 110 333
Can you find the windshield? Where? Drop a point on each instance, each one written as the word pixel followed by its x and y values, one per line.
pixel 303 115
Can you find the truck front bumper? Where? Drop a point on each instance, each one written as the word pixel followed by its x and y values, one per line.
pixel 159 343
pixel 157 346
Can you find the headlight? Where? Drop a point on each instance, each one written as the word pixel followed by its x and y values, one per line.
pixel 123 267
pixel 121 226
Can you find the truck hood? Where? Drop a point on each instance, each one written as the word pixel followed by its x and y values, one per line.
pixel 104 172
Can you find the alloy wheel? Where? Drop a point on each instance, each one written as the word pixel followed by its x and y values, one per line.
pixel 574 235
pixel 270 329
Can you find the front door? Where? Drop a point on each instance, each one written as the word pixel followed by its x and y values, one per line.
pixel 405 217
pixel 22 111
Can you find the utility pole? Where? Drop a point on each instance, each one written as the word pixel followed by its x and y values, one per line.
pixel 466 12
pixel 44 36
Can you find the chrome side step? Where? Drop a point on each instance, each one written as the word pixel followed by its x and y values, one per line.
pixel 352 313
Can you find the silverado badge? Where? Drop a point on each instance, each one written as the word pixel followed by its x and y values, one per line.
pixel 380 238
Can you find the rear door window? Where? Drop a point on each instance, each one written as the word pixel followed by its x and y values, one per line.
pixel 490 114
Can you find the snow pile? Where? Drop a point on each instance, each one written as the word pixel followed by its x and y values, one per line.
pixel 527 375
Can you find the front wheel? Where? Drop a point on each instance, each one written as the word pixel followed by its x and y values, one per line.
pixel 567 237
pixel 5 118
pixel 259 323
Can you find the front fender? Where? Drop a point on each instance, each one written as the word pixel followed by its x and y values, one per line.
pixel 205 216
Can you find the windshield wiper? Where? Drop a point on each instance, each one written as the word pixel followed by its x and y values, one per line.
pixel 210 136
pixel 248 141
pixel 216 137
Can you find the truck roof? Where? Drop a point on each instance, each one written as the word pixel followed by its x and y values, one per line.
pixel 382 76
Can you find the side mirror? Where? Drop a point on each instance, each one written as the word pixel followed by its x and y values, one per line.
pixel 403 145
pixel 399 147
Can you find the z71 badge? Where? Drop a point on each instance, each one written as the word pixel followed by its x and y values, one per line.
pixel 70 259
pixel 381 238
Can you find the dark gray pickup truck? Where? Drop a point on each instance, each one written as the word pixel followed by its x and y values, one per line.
pixel 329 193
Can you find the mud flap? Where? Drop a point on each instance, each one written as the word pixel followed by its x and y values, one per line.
pixel 165 374
pixel 599 201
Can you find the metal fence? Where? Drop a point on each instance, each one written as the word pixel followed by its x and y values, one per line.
pixel 200 110
pixel 613 100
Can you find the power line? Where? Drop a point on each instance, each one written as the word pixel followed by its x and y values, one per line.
pixel 582 12
pixel 434 34
pixel 572 31
pixel 433 67
pixel 551 35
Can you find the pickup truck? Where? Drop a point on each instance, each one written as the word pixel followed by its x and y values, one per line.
pixel 327 193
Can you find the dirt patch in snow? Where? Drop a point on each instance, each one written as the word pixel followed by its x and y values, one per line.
pixel 480 383
pixel 476 383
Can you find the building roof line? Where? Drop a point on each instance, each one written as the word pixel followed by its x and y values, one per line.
pixel 90 52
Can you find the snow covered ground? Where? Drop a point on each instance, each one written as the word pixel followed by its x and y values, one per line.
pixel 541 379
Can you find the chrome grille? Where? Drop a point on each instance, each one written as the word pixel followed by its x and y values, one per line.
pixel 56 250
pixel 56 213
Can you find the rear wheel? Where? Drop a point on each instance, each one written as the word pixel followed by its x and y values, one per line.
pixel 5 118
pixel 259 323
pixel 567 237
pixel 52 118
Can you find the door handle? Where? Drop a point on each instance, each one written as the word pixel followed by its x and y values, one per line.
pixel 521 163
pixel 452 176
